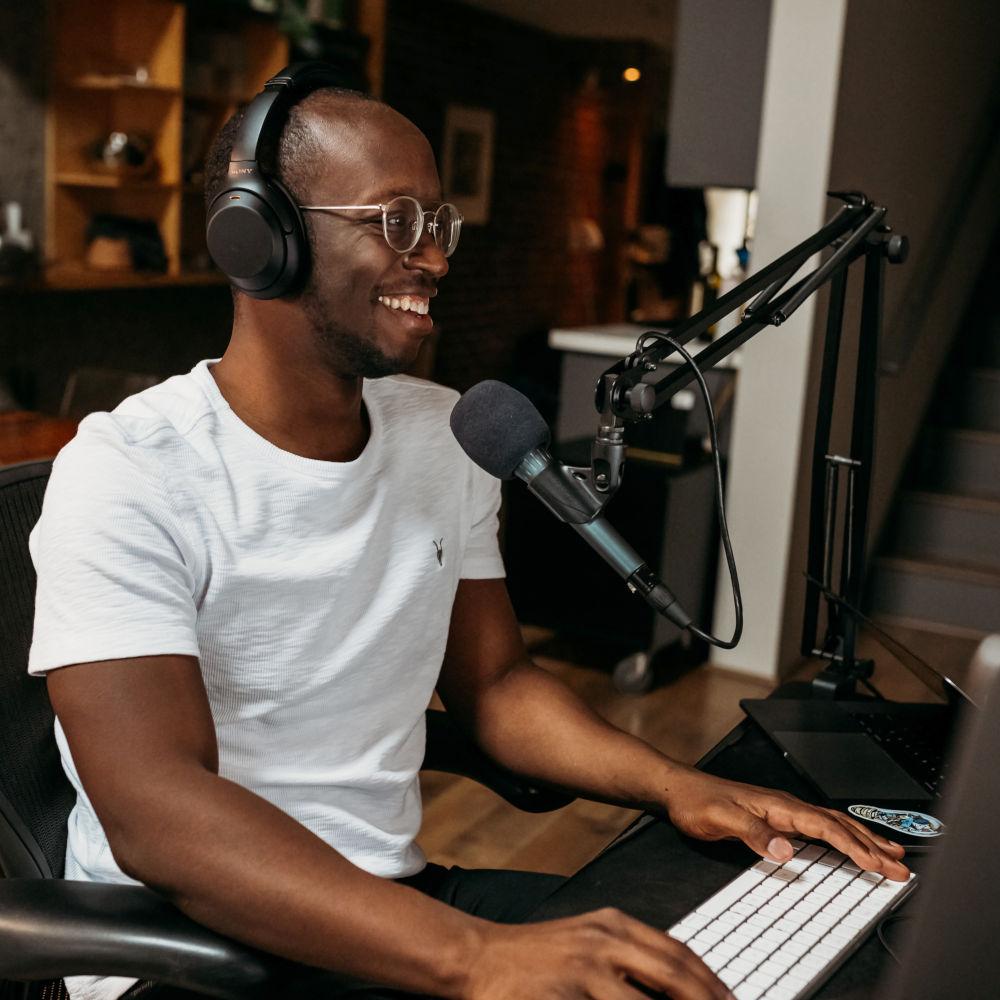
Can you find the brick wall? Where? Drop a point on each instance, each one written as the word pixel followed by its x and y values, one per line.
pixel 565 129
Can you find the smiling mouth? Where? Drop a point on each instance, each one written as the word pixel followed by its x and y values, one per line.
pixel 406 303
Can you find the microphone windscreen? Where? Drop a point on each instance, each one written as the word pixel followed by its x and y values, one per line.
pixel 497 426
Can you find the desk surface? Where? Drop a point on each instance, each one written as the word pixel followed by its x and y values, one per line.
pixel 26 436
pixel 657 875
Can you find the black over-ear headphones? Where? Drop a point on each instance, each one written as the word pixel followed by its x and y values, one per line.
pixel 254 229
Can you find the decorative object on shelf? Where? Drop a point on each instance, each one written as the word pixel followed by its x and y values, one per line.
pixel 125 154
pixel 121 243
pixel 467 161
pixel 17 246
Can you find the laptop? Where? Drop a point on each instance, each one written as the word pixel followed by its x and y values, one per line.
pixel 876 753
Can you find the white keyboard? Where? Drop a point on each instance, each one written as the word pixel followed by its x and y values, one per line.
pixel 777 932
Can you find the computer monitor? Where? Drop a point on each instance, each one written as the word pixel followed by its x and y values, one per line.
pixel 951 948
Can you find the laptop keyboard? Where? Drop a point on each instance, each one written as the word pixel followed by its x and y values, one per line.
pixel 914 748
pixel 776 932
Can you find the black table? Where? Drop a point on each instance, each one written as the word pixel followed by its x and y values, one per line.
pixel 657 875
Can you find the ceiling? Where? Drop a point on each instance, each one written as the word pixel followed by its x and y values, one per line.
pixel 650 20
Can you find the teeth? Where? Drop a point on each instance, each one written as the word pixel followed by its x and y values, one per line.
pixel 407 303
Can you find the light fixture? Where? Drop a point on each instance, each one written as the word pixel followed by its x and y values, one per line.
pixel 631 74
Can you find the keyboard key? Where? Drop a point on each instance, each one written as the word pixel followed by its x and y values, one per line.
pixel 730 976
pixel 695 921
pixel 811 961
pixel 811 852
pixel 771 969
pixel 742 965
pixel 747 991
pixel 698 947
pixel 797 845
pixel 708 936
pixel 730 894
pixel 799 974
pixel 727 949
pixel 714 961
pixel 798 863
pixel 795 948
pixel 765 867
pixel 760 978
pixel 779 992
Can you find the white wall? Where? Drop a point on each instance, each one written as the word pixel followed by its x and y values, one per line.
pixel 894 99
pixel 800 99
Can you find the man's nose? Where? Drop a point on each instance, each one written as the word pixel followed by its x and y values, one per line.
pixel 427 256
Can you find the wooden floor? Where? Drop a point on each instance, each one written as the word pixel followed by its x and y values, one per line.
pixel 467 825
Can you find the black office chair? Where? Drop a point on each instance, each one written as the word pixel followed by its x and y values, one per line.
pixel 51 927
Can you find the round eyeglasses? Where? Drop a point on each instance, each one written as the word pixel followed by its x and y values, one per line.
pixel 404 221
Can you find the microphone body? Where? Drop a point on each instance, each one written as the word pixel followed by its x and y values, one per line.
pixel 570 500
pixel 502 432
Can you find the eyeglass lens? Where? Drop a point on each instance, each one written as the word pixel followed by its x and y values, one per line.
pixel 404 221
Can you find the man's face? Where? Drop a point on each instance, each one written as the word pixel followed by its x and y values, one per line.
pixel 355 273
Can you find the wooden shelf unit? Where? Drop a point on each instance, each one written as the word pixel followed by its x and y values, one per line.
pixel 121 65
pixel 172 72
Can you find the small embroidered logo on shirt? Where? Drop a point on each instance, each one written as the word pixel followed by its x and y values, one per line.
pixel 439 549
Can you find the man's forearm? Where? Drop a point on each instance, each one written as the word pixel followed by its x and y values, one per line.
pixel 242 867
pixel 532 723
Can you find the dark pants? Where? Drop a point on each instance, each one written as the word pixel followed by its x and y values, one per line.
pixel 507 897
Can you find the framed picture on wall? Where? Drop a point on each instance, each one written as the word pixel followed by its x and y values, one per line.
pixel 467 161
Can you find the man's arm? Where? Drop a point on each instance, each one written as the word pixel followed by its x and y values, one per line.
pixel 143 742
pixel 529 721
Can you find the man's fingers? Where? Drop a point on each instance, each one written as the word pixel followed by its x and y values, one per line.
pixel 763 838
pixel 656 960
pixel 889 846
pixel 822 824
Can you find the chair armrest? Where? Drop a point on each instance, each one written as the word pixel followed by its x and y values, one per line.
pixel 450 750
pixel 52 928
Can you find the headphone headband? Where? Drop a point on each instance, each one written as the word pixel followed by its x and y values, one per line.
pixel 265 116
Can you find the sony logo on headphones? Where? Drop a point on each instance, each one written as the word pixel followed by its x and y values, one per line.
pixel 241 170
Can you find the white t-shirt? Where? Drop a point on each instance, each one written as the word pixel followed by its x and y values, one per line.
pixel 316 596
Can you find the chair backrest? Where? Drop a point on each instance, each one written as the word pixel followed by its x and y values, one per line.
pixel 91 389
pixel 35 795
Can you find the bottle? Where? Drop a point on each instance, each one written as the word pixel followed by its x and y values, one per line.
pixel 16 243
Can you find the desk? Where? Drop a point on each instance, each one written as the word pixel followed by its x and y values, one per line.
pixel 656 875
pixel 26 436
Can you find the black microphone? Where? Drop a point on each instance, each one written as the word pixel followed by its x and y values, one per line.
pixel 502 432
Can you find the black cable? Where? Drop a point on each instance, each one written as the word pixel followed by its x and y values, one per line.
pixel 721 506
pixel 880 932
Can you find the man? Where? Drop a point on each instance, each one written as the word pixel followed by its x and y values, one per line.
pixel 252 577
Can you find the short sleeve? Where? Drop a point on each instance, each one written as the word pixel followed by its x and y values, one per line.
pixel 114 571
pixel 482 559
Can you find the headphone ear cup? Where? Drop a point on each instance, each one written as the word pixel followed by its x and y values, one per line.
pixel 256 236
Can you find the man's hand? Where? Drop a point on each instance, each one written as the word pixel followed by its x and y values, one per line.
pixel 587 958
pixel 710 808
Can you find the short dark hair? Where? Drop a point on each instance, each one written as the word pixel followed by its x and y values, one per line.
pixel 297 149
